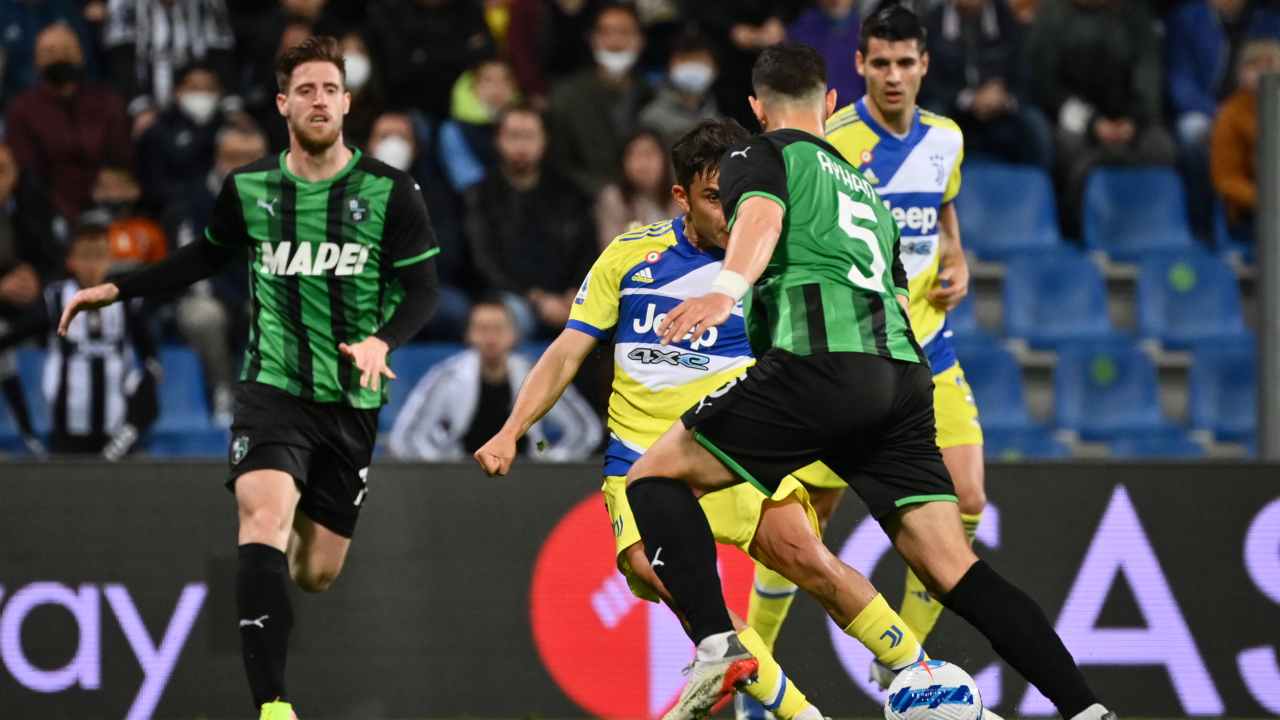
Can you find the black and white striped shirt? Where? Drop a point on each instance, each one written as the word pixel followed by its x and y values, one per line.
pixel 150 41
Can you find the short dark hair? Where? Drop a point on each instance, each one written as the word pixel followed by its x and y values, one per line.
pixel 688 42
pixel 625 7
pixel 892 22
pixel 699 151
pixel 792 70
pixel 519 108
pixel 317 48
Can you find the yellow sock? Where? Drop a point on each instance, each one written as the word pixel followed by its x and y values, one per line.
pixel 771 597
pixel 919 609
pixel 885 634
pixel 772 689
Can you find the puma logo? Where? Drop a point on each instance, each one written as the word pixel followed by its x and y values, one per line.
pixel 656 563
pixel 255 623
pixel 742 152
pixel 268 205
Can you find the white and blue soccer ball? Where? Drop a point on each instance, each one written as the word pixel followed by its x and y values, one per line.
pixel 933 690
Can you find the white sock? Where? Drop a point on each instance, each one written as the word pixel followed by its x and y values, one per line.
pixel 1093 712
pixel 713 647
pixel 809 713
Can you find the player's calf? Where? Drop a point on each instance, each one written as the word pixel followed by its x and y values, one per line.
pixel 316 555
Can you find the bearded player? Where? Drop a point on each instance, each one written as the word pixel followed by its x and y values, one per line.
pixel 339 249
pixel 913 159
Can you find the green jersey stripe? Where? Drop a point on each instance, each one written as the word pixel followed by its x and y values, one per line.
pixel 339 232
pixel 300 343
pixel 798 318
pixel 416 258
pixel 816 317
pixel 876 304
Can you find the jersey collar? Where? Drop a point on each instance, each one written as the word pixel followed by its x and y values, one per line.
pixel 913 135
pixel 284 168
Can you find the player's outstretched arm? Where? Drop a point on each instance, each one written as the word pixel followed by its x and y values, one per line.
pixel 541 389
pixel 751 243
pixel 953 273
pixel 191 263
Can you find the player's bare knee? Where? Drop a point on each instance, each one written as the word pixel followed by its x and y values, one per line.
pixel 973 500
pixel 314 580
pixel 265 524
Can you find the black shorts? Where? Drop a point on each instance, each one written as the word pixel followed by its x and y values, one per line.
pixel 326 447
pixel 870 419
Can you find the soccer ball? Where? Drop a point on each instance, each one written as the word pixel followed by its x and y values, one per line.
pixel 933 690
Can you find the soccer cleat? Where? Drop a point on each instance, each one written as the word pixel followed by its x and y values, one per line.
pixel 1095 712
pixel 810 713
pixel 987 714
pixel 277 711
pixel 711 680
pixel 746 707
pixel 882 674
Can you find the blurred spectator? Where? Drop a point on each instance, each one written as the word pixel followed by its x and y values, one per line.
pixel 466 139
pixel 366 85
pixel 101 377
pixel 394 142
pixel 63 129
pixel 1096 66
pixel 685 99
pixel 260 81
pixel 28 259
pixel 593 111
pixel 134 238
pixel 1025 10
pixel 149 42
pixel 424 45
pixel 643 195
pixel 1203 41
pixel 547 41
pixel 1233 148
pixel 975 78
pixel 175 154
pixel 832 29
pixel 739 30
pixel 463 401
pixel 22 22
pixel 214 311
pixel 530 230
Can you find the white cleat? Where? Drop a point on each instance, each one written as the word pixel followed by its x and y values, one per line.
pixel 712 680
pixel 881 674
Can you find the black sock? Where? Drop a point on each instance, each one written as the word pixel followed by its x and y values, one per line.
pixel 265 619
pixel 679 545
pixel 17 404
pixel 1021 634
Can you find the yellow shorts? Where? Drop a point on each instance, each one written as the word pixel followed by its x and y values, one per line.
pixel 954 411
pixel 734 514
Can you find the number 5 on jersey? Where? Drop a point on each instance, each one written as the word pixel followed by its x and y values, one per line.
pixel 851 210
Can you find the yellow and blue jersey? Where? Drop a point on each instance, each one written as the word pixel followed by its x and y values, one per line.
pixel 915 175
pixel 641 276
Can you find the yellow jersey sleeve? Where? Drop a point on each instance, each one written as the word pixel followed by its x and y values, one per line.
pixel 953 183
pixel 595 307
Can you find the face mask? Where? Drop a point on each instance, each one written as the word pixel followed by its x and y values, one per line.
pixel 394 151
pixel 199 106
pixel 616 62
pixel 692 77
pixel 62 73
pixel 358 70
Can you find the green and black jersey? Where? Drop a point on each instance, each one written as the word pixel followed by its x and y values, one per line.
pixel 831 283
pixel 322 263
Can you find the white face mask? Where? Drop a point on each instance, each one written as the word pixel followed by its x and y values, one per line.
pixel 359 68
pixel 394 151
pixel 616 62
pixel 692 77
pixel 199 106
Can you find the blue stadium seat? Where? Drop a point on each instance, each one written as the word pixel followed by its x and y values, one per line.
pixel 1130 212
pixel 1026 443
pixel 210 442
pixel 410 363
pixel 1171 443
pixel 962 320
pixel 1187 297
pixel 1224 389
pixel 1054 297
pixel 1229 245
pixel 995 377
pixel 1105 388
pixel 182 396
pixel 1007 209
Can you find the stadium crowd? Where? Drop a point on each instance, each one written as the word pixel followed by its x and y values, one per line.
pixel 537 130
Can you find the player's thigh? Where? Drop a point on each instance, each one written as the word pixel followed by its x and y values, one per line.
pixel 677 454
pixel 825 487
pixel 960 436
pixel 930 538
pixel 266 500
pixel 316 554
pixel 337 483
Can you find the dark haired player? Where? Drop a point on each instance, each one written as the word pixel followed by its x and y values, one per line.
pixel 339 247
pixel 813 253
